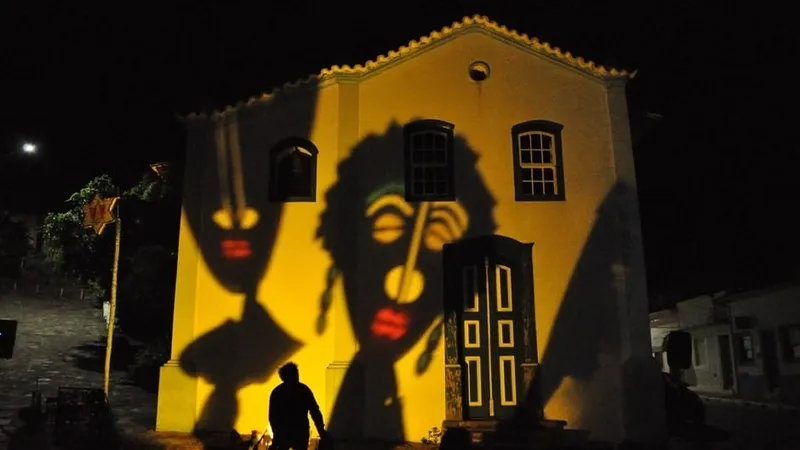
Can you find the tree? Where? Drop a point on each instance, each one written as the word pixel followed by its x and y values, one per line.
pixel 14 239
pixel 70 248
pixel 151 222
pixel 150 215
pixel 14 244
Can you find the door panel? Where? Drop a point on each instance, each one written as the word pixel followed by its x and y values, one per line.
pixel 507 382
pixel 501 322
pixel 475 340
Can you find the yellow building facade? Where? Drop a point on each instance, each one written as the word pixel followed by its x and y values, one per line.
pixel 315 219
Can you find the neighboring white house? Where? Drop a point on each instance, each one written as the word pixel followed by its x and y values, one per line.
pixel 710 330
pixel 747 344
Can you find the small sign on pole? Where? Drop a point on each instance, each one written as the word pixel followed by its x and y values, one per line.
pixel 99 213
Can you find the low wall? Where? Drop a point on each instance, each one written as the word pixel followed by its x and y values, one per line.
pixel 45 288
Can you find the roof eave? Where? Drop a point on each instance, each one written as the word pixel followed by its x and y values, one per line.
pixel 608 75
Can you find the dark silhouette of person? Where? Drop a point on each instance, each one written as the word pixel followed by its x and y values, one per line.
pixel 289 406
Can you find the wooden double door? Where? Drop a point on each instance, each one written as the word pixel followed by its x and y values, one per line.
pixel 490 329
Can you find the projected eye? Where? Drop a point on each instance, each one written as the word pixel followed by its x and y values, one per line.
pixel 223 219
pixel 388 228
pixel 436 235
pixel 249 219
pixel 446 224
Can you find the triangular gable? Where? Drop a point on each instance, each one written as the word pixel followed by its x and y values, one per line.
pixel 415 47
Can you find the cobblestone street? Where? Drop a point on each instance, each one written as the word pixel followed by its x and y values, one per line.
pixel 55 335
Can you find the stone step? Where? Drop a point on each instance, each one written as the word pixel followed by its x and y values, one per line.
pixel 176 441
pixel 184 441
pixel 534 434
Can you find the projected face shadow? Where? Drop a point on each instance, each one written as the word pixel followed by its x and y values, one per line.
pixel 407 239
pixel 228 210
pixel 392 272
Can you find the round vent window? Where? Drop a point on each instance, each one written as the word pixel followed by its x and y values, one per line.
pixel 479 71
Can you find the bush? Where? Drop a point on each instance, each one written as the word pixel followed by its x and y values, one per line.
pixel 434 436
pixel 148 361
pixel 146 293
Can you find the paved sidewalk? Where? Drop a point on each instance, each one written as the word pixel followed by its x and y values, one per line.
pixel 54 335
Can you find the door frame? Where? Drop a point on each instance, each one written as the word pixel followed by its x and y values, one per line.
pixel 494 247
pixel 727 368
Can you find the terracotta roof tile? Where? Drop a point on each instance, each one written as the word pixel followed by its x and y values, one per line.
pixel 415 46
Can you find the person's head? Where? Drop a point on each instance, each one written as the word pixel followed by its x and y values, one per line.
pixel 369 195
pixel 289 373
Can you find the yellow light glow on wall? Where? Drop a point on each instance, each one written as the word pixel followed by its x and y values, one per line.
pixel 348 284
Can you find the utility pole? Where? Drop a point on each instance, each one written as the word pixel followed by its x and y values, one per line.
pixel 112 310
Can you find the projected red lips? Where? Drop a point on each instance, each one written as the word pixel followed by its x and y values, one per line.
pixel 236 249
pixel 390 324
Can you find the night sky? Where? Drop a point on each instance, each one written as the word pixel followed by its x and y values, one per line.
pixel 98 90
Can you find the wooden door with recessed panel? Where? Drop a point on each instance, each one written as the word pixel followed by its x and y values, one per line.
pixel 489 293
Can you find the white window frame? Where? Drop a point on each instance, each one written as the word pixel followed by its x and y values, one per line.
pixel 531 167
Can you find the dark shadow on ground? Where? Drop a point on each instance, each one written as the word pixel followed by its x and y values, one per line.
pixel 91 356
pixel 124 358
pixel 37 433
pixel 31 435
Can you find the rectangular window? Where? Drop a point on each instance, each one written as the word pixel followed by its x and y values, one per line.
pixel 699 351
pixel 429 164
pixel 791 343
pixel 538 165
pixel 745 350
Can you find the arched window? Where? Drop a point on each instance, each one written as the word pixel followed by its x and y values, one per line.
pixel 293 171
pixel 538 163
pixel 429 167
